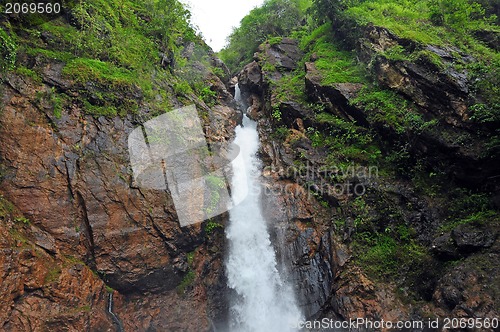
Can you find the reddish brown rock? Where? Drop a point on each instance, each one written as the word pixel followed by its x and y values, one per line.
pixel 40 292
pixel 70 176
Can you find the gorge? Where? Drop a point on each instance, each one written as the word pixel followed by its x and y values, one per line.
pixel 367 180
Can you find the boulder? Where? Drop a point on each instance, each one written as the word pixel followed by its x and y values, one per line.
pixel 250 79
pixel 469 238
pixel 291 111
pixel 283 56
pixel 444 247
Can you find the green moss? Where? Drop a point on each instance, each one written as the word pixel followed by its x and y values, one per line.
pixel 186 282
pixel 208 96
pixel 276 112
pixel 190 257
pixel 291 86
pixel 84 70
pixel 108 111
pixel 22 220
pixel 389 255
pixel 429 57
pixel 389 109
pixel 397 53
pixel 280 133
pixel 335 65
pixel 478 218
pixel 6 207
pixel 274 40
pixel 8 51
pixel 29 73
pixel 182 88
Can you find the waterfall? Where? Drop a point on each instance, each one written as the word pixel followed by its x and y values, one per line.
pixel 115 318
pixel 263 302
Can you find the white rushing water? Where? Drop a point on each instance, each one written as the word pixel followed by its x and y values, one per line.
pixel 264 302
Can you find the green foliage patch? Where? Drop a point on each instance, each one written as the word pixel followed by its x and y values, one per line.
pixel 260 24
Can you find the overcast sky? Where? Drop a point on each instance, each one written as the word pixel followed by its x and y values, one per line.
pixel 215 18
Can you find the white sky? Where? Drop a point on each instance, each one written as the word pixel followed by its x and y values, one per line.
pixel 216 18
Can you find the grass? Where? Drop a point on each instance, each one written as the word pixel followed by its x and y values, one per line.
pixel 26 72
pixel 337 66
pixel 186 282
pixel 111 53
pixel 478 218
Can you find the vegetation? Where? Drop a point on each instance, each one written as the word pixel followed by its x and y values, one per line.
pixel 121 55
pixel 186 282
pixel 274 19
pixel 212 225
pixel 384 244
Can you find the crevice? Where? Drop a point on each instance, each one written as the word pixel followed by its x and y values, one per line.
pixel 171 248
pixel 88 229
pixel 68 179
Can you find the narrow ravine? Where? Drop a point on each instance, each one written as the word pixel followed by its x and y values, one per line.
pixel 263 302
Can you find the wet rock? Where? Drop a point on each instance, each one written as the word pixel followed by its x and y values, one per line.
pixel 250 79
pixel 303 254
pixel 469 238
pixel 355 296
pixel 469 288
pixel 444 247
pixel 292 111
pixel 232 84
pixel 216 84
pixel 254 111
pixel 451 296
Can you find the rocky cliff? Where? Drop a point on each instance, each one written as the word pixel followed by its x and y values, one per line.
pixel 85 248
pixel 358 239
pixel 380 175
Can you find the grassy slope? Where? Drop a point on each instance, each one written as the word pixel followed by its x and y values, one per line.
pixel 115 47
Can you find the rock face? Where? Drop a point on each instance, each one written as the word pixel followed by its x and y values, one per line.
pixel 304 213
pixel 250 78
pixel 70 176
pixel 44 290
pixel 305 257
pixel 441 92
pixel 283 56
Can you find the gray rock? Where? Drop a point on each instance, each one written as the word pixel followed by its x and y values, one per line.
pixel 469 238
pixel 444 247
